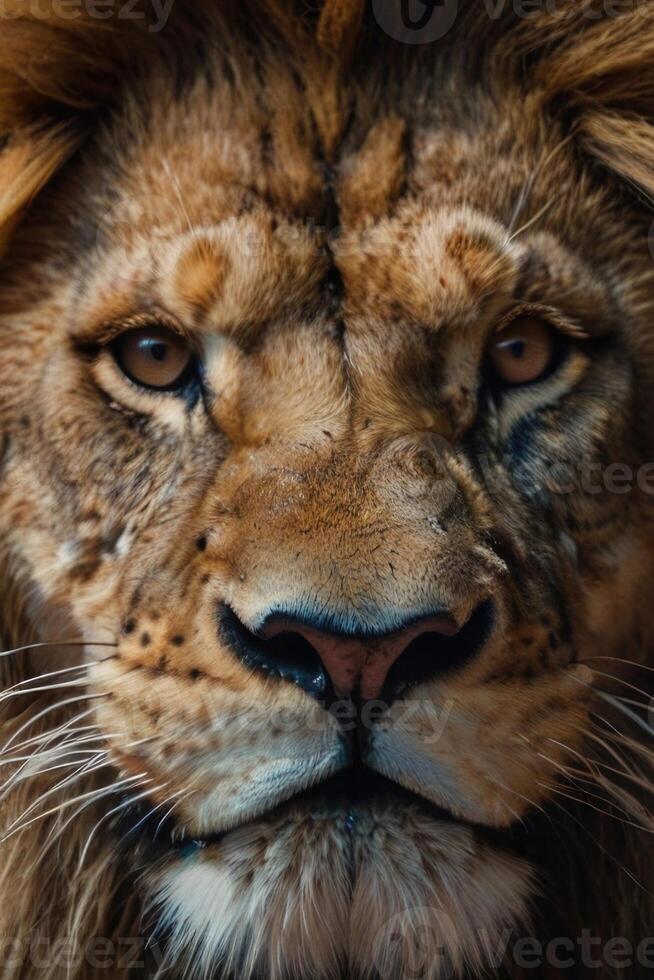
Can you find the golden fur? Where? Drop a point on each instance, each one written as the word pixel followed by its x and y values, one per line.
pixel 338 222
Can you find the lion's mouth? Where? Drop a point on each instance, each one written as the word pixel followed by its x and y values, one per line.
pixel 343 797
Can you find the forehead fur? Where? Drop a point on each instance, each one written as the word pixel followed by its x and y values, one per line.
pixel 59 76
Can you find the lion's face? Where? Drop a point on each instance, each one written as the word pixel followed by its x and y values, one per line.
pixel 339 499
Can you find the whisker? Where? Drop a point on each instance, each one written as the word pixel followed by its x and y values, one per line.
pixel 527 187
pixel 83 770
pixel 95 794
pixel 627 711
pixel 94 757
pixel 98 695
pixel 619 660
pixel 539 214
pixel 601 847
pixel 58 831
pixel 15 777
pixel 168 813
pixel 41 677
pixel 45 755
pixel 615 678
pixel 525 799
pixel 568 748
pixel 46 687
pixel 54 643
pixel 45 711
pixel 55 753
pixel 53 673
pixel 583 782
pixel 621 698
pixel 47 745
pixel 107 816
pixel 132 830
pixel 620 680
pixel 605 813
pixel 578 776
pixel 618 735
pixel 100 737
pixel 622 740
pixel 51 733
pixel 78 682
pixel 630 774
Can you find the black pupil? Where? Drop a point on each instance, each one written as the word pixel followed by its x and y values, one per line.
pixel 157 349
pixel 517 348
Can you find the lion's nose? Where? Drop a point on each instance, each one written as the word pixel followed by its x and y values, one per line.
pixel 361 663
pixel 374 666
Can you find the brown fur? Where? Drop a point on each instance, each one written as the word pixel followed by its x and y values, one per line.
pixel 342 460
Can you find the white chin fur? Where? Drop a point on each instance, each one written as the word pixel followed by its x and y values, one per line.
pixel 378 891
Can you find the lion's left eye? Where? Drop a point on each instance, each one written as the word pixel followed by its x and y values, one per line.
pixel 523 351
pixel 154 357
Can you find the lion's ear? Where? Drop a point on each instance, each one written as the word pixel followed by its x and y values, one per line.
pixel 603 69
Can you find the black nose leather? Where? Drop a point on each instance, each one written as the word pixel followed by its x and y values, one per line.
pixel 329 665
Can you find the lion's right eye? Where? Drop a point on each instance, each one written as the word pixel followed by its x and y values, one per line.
pixel 154 357
pixel 522 352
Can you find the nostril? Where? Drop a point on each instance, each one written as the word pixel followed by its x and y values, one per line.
pixel 433 654
pixel 287 655
pixel 328 665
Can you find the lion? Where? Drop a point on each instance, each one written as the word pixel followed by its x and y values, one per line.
pixel 326 484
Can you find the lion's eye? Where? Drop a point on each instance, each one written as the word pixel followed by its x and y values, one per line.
pixel 522 352
pixel 153 357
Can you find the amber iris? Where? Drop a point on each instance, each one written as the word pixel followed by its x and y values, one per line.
pixel 522 351
pixel 154 357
